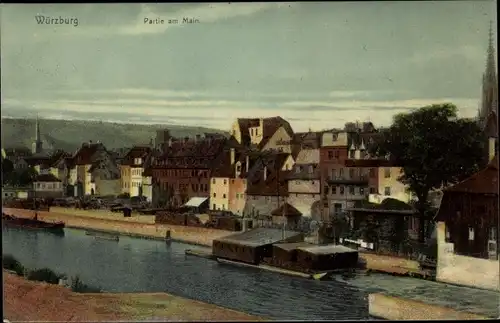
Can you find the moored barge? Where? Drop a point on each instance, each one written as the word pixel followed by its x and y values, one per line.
pixel 12 221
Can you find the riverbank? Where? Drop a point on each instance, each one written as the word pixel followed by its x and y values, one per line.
pixel 32 301
pixel 396 308
pixel 114 223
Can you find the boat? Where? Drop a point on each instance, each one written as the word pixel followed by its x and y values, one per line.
pixel 102 235
pixel 12 221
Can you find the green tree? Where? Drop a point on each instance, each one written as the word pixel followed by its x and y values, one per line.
pixel 7 167
pixel 434 149
pixel 27 176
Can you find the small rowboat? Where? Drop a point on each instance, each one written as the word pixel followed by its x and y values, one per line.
pixel 103 236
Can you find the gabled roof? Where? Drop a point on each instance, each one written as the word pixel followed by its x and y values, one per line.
pixel 134 153
pixel 259 237
pixel 17 152
pixel 85 153
pixel 270 126
pixel 483 182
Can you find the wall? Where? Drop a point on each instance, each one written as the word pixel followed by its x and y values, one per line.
pixel 219 193
pixel 125 178
pixel 395 308
pixel 462 270
pixel 105 187
pixel 398 189
pixel 257 133
pixel 262 205
pixel 135 180
pixel 304 203
pixel 48 189
pixel 304 186
pixel 281 135
pixel 235 131
pixel 88 180
pixel 237 195
pixel 147 188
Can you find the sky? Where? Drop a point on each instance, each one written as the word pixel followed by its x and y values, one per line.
pixel 318 65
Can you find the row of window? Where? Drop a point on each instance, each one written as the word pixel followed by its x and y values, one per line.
pixel 183 173
pixel 48 186
pixel 224 181
pixel 352 154
pixel 184 187
pixel 353 190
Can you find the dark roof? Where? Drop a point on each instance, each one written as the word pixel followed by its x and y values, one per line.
pixel 259 237
pixel 57 157
pixel 483 182
pixel 273 162
pixel 389 205
pixel 135 152
pixel 17 152
pixel 270 126
pixel 46 178
pixel 84 154
pixel 287 210
pixel 193 153
pixel 308 140
pixel 291 245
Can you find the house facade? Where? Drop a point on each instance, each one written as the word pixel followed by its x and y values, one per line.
pixel 257 132
pixel 17 156
pixel 467 231
pixel 47 186
pixel 132 169
pixel 267 185
pixel 304 184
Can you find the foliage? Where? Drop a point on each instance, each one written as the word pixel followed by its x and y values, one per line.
pixel 45 275
pixel 79 287
pixel 7 167
pixel 20 177
pixel 69 134
pixel 125 195
pixel 434 148
pixel 369 229
pixel 11 263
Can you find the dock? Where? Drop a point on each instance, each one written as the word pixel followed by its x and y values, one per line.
pixel 266 267
pixel 207 254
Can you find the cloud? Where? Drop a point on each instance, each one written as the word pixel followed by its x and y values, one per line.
pixel 467 52
pixel 220 114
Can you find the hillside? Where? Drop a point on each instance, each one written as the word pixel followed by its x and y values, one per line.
pixel 69 134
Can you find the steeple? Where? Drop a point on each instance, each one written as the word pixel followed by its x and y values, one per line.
pixel 36 147
pixel 489 100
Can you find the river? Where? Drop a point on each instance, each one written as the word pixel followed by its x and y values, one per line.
pixel 141 265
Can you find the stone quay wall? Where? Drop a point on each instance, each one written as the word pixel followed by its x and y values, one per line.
pixel 127 226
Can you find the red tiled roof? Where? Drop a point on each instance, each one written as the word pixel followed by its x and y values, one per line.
pixel 46 178
pixel 85 153
pixel 483 182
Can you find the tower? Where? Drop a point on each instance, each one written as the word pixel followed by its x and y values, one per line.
pixel 36 147
pixel 489 98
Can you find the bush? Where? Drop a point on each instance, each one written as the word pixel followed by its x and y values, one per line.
pixel 44 275
pixel 79 287
pixel 11 263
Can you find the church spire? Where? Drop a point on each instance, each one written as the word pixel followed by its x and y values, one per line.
pixel 36 147
pixel 37 129
pixel 489 100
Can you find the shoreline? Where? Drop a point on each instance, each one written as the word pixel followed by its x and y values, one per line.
pixel 26 300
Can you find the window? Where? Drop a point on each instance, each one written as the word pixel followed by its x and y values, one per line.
pixel 232 181
pixel 341 172
pixel 351 154
pixel 493 234
pixel 213 181
pixel 372 172
pixel 215 195
pixel 214 207
pixel 223 196
pixel 337 154
pixel 373 190
pixel 471 234
pixel 330 155
pixel 352 190
pixel 351 173
pixel 298 169
pixel 334 189
pixel 311 169
pixel 342 190
pixel 361 191
pixel 387 172
pixel 225 182
pixel 257 132
pixel 326 189
pixel 312 182
pixel 446 232
pixel 238 168
pixel 387 191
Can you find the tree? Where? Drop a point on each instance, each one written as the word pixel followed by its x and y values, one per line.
pixel 7 167
pixel 26 176
pixel 434 149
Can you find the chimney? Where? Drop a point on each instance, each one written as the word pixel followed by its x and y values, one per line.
pixel 90 142
pixel 247 163
pixel 98 141
pixel 265 172
pixel 151 142
pixel 261 123
pixel 197 138
pixel 170 141
pixel 233 155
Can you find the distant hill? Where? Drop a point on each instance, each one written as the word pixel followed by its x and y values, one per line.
pixel 70 134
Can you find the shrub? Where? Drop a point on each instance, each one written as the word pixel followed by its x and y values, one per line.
pixel 79 287
pixel 11 263
pixel 44 275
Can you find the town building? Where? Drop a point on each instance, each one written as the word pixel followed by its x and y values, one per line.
pixel 80 179
pixel 132 168
pixel 184 170
pixel 105 177
pixel 267 185
pixel 343 185
pixel 46 185
pixel 468 231
pixel 257 133
pixel 304 184
pixel 17 156
pixel 147 176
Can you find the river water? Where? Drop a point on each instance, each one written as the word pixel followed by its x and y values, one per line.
pixel 141 265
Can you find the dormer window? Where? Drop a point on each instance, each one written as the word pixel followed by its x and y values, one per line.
pixel 311 169
pixel 352 154
pixel 298 169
